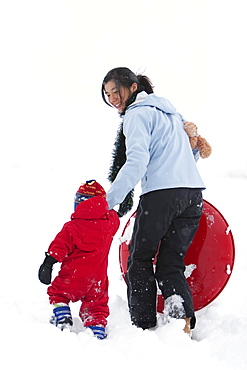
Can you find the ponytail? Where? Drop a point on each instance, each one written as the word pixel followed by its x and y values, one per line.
pixel 145 84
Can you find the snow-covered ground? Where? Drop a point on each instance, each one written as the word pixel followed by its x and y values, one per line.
pixel 31 221
pixel 56 133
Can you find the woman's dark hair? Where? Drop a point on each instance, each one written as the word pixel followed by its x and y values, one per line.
pixel 123 76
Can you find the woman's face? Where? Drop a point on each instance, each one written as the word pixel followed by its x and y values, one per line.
pixel 118 96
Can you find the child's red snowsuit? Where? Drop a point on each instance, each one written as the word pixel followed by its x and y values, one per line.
pixel 82 246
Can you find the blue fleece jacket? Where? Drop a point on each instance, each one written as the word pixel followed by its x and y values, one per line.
pixel 157 149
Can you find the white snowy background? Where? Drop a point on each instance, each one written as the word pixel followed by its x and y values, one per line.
pixel 56 132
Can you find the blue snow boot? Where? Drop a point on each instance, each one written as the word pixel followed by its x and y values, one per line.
pixel 62 317
pixel 98 331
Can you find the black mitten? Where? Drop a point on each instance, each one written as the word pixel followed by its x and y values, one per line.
pixel 45 269
pixel 126 205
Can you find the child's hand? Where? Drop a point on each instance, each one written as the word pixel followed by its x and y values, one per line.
pixel 45 269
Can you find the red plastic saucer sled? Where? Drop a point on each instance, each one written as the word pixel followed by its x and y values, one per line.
pixel 209 259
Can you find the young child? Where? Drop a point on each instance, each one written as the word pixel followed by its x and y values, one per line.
pixel 82 246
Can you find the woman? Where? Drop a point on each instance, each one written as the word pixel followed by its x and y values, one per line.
pixel 158 153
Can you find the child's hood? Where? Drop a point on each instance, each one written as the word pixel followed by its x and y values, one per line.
pixel 95 207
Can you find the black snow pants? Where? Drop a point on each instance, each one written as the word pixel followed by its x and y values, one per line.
pixel 165 224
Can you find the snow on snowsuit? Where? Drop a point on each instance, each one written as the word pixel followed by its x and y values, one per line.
pixel 82 246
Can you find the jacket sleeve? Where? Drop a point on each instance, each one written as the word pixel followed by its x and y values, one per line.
pixel 137 130
pixel 62 245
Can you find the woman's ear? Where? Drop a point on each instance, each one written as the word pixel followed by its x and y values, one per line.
pixel 133 87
